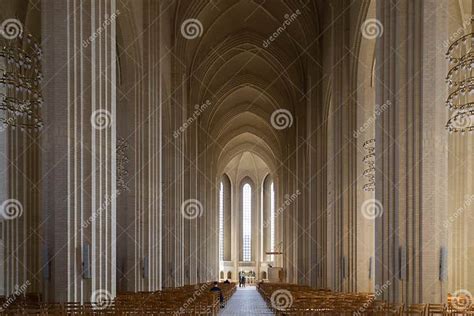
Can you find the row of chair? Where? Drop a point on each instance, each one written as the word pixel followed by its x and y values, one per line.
pixel 292 299
pixel 228 289
pixel 187 300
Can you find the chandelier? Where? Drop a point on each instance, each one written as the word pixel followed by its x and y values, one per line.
pixel 122 162
pixel 369 160
pixel 460 81
pixel 20 80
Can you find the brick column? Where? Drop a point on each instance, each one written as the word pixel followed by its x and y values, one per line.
pixel 409 167
pixel 79 187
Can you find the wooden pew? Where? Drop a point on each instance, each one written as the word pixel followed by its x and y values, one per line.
pixel 187 300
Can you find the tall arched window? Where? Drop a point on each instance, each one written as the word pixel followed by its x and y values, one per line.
pixel 272 219
pixel 221 222
pixel 224 218
pixel 247 222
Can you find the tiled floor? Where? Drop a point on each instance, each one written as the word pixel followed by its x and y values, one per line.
pixel 246 301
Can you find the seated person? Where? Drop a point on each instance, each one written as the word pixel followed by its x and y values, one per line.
pixel 226 281
pixel 216 288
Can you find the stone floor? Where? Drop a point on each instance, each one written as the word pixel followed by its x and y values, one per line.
pixel 246 301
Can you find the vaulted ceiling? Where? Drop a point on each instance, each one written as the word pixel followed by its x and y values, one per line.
pixel 245 79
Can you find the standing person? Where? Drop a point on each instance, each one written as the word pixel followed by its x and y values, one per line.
pixel 240 279
pixel 243 280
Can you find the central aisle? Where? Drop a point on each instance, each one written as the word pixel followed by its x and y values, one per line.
pixel 246 301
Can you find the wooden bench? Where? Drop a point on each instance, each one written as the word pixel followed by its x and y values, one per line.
pixel 187 300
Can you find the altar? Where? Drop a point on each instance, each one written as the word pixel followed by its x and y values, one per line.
pixel 249 280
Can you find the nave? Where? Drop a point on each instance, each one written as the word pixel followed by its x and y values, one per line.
pixel 322 149
pixel 246 301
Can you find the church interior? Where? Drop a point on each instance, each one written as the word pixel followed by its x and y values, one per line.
pixel 236 157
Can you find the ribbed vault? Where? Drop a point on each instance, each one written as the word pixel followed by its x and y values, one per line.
pixel 245 81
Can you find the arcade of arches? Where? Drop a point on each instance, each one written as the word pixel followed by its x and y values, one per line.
pixel 183 141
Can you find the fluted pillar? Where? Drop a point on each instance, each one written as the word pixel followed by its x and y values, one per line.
pixel 340 120
pixel 145 241
pixel 79 187
pixel 409 167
